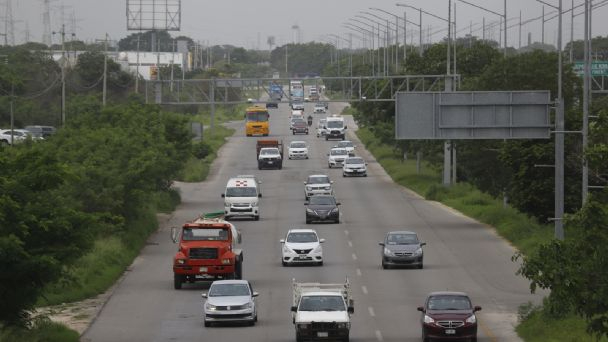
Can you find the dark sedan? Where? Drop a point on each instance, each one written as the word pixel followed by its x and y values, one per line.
pixel 448 316
pixel 322 208
pixel 299 126
pixel 401 248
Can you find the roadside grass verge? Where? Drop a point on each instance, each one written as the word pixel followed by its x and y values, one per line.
pixel 196 170
pixel 43 330
pixel 538 328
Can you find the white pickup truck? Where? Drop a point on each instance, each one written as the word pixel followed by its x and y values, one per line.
pixel 322 311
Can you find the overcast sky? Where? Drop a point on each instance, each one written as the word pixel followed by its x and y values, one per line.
pixel 248 23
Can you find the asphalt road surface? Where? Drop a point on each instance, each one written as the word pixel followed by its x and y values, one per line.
pixel 461 255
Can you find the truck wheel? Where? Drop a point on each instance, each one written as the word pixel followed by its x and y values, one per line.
pixel 177 281
pixel 238 272
pixel 327 137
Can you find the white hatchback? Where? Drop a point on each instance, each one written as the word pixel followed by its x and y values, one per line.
pixel 354 166
pixel 336 157
pixel 301 246
pixel 298 150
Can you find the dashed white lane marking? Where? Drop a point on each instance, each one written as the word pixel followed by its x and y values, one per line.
pixel 371 311
pixel 379 335
pixel 359 272
pixel 345 231
pixel 364 289
pixel 354 256
pixel 350 243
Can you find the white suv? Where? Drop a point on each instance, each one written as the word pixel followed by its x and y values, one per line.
pixel 298 150
pixel 348 145
pixel 301 246
pixel 317 185
pixel 336 158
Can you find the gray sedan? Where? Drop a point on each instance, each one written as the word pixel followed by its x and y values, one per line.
pixel 230 301
pixel 402 248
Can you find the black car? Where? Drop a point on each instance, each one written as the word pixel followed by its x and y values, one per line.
pixel 299 126
pixel 272 104
pixel 402 248
pixel 322 208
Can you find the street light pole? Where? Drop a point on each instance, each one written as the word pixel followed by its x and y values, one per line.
pixel 419 23
pixel 504 16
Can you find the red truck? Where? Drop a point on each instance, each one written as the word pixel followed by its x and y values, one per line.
pixel 207 250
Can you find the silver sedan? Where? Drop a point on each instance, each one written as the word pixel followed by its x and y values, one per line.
pixel 230 301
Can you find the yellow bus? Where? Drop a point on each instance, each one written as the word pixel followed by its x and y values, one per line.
pixel 256 121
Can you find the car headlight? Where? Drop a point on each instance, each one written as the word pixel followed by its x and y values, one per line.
pixel 254 204
pixel 180 261
pixel 418 251
pixel 343 325
pixel 248 305
pixel 318 249
pixel 334 210
pixel 310 211
pixel 226 204
pixel 304 325
pixel 225 261
pixel 210 307
pixel 472 319
pixel 309 188
pixel 428 319
pixel 388 251
pixel 328 188
pixel 287 249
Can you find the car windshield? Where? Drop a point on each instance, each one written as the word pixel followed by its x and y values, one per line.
pixel 318 180
pixel 224 290
pixel 322 303
pixel 345 144
pixel 198 234
pixel 269 151
pixel 449 302
pixel 257 116
pixel 319 105
pixel 354 161
pixel 401 239
pixel 302 237
pixel 338 152
pixel 335 124
pixel 241 191
pixel 297 145
pixel 322 200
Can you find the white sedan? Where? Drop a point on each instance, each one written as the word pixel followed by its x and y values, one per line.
pixel 301 246
pixel 336 157
pixel 298 150
pixel 354 166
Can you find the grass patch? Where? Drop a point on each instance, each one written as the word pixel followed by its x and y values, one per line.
pixel 197 170
pixel 538 328
pixel 43 330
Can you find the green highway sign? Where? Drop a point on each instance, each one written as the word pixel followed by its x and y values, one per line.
pixel 598 68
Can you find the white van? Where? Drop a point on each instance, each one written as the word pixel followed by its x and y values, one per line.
pixel 335 128
pixel 241 198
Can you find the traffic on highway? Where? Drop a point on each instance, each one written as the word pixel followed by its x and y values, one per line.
pixel 295 262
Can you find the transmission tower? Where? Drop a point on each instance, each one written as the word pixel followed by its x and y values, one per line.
pixel 46 22
pixel 9 23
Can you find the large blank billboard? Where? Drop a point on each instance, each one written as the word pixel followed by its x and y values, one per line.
pixel 164 15
pixel 472 115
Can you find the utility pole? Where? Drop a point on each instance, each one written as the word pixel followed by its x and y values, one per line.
pixel 105 71
pixel 586 91
pixel 62 32
pixel 137 67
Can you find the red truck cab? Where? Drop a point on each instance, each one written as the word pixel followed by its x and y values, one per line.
pixel 207 250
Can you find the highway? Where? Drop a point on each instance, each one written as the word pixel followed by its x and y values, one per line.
pixel 461 255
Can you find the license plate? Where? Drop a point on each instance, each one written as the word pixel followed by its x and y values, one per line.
pixel 302 257
pixel 202 269
pixel 270 162
pixel 322 334
pixel 450 331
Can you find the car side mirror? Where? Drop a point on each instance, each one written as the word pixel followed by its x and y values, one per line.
pixel 331 182
pixel 381 244
pixel 345 127
pixel 294 308
pixel 282 241
pixel 351 309
pixel 259 195
pixel 174 234
pixel 255 294
pixel 338 203
pixel 422 244
pixel 223 195
pixel 321 240
pixel 239 238
pixel 477 308
pixel 420 308
pixel 204 295
pixel 306 203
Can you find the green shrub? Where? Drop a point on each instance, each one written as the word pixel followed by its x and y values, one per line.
pixel 201 149
pixel 42 330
